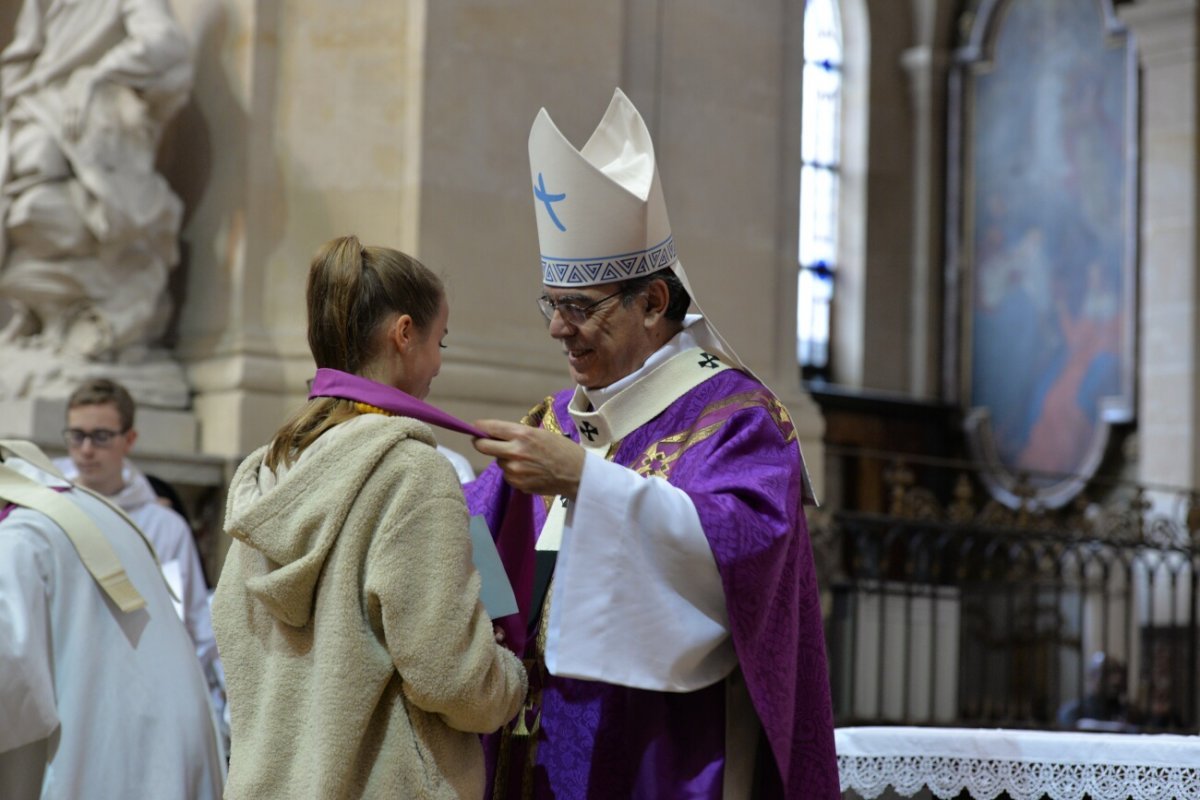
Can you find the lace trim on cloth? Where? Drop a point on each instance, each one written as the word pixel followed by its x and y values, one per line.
pixel 986 779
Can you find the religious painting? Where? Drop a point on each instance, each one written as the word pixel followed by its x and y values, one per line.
pixel 1043 239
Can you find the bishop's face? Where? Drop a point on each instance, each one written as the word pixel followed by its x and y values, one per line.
pixel 610 343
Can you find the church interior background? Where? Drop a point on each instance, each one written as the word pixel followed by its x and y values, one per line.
pixel 993 357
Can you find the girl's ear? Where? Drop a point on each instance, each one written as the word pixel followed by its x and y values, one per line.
pixel 407 329
pixel 401 333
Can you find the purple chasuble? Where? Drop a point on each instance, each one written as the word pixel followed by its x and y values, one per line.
pixel 740 465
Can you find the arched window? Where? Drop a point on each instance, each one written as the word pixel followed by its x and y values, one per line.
pixel 820 178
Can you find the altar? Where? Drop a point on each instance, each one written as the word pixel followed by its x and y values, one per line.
pixel 1025 764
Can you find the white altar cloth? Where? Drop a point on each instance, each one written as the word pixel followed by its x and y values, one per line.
pixel 1025 764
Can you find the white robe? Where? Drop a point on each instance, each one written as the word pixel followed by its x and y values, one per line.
pixel 173 542
pixel 95 702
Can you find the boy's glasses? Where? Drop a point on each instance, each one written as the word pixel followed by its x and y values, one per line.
pixel 101 437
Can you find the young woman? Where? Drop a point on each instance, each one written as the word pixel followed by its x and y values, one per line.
pixel 358 658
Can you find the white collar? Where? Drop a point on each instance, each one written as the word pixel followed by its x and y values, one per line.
pixel 684 340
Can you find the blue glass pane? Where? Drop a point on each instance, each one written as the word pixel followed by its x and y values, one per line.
pixel 820 154
pixel 818 215
pixel 822 31
pixel 814 294
pixel 821 124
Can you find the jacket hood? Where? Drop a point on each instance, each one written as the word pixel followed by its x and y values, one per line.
pixel 294 516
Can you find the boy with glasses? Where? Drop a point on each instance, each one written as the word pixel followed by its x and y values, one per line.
pixel 99 436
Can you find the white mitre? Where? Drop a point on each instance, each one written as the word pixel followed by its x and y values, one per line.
pixel 601 216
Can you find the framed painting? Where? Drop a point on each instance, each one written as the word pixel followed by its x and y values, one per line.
pixel 1042 243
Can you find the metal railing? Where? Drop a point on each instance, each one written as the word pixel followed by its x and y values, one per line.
pixel 947 608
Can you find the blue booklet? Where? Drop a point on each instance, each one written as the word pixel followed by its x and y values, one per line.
pixel 496 592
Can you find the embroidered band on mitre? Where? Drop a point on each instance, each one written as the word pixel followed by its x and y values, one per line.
pixel 601 217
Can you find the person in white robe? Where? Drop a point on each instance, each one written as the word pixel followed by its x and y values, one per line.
pixel 100 693
pixel 99 436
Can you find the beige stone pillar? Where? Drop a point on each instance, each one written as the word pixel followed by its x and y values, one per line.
pixel 926 64
pixel 887 324
pixel 305 125
pixel 1169 292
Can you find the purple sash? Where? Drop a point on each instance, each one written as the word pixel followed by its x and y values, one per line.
pixel 335 383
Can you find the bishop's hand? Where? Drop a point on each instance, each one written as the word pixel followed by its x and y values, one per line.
pixel 534 460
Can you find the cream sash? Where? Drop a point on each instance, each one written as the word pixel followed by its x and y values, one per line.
pixel 93 547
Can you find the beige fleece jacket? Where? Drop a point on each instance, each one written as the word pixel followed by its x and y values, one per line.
pixel 359 661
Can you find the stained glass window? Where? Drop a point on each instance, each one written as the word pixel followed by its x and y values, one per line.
pixel 820 156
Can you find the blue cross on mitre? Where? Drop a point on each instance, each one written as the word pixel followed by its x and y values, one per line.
pixel 540 193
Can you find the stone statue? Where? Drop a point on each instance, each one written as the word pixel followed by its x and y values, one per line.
pixel 89 229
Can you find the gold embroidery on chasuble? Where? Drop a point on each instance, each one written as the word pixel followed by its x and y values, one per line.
pixel 534 418
pixel 660 456
pixel 782 419
pixel 658 459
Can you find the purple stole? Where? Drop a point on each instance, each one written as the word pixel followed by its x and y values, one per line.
pixel 741 467
pixel 335 383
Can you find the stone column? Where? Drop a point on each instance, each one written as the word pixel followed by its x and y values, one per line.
pixel 926 64
pixel 1169 292
pixel 306 126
